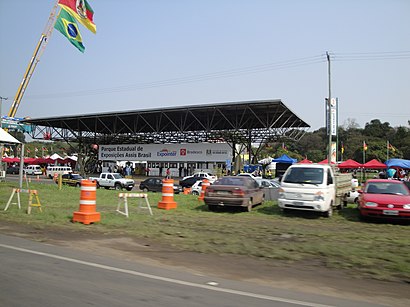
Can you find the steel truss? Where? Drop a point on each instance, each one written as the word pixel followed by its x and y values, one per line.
pixel 249 122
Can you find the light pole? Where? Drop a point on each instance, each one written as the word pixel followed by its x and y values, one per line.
pixel 1 102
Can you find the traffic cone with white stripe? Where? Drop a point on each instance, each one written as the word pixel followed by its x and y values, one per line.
pixel 167 201
pixel 87 213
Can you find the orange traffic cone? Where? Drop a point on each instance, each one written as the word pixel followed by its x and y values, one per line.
pixel 167 202
pixel 205 184
pixel 87 213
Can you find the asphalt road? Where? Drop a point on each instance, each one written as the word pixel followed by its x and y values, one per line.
pixel 36 274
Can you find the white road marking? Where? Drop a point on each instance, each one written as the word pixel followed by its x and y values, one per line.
pixel 165 279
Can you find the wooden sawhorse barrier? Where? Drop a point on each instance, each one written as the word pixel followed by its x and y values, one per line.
pixel 123 198
pixel 30 199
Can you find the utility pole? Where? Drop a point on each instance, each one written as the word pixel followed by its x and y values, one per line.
pixel 329 156
pixel 1 145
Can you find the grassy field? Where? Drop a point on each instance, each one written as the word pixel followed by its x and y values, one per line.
pixel 376 250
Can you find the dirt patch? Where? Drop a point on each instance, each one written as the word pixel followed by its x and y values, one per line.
pixel 301 276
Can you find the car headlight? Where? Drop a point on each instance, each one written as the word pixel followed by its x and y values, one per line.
pixel 370 204
pixel 406 206
pixel 319 196
pixel 281 193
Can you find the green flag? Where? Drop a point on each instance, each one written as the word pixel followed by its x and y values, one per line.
pixel 67 25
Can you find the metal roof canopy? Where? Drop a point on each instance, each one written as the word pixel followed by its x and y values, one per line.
pixel 238 122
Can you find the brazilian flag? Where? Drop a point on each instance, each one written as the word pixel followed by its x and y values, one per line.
pixel 67 25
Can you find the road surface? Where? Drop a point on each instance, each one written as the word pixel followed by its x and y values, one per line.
pixel 37 274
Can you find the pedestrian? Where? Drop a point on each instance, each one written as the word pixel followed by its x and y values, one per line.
pixel 168 173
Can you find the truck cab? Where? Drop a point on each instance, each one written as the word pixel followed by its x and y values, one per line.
pixel 311 187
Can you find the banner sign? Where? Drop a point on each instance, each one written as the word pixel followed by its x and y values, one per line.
pixel 333 157
pixel 197 152
pixel 333 116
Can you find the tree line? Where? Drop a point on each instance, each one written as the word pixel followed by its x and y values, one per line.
pixel 382 142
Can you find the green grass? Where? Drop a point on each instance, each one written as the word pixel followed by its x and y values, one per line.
pixel 376 250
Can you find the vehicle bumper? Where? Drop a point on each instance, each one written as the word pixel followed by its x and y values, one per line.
pixel 317 206
pixel 385 213
pixel 128 186
pixel 229 202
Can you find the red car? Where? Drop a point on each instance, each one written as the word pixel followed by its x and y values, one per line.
pixel 383 198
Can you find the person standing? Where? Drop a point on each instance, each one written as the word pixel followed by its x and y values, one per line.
pixel 168 173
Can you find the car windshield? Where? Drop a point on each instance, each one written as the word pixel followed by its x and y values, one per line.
pixel 386 188
pixel 117 176
pixel 231 181
pixel 307 175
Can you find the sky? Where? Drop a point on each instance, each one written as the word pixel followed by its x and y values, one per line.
pixel 160 53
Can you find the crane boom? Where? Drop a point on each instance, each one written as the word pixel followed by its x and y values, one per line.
pixel 38 51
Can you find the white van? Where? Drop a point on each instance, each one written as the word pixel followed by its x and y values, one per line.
pixel 33 170
pixel 52 170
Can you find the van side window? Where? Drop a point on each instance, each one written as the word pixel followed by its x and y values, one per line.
pixel 329 178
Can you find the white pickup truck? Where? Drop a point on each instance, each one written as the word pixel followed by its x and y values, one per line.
pixel 313 187
pixel 113 180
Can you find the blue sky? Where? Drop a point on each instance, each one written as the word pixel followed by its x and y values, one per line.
pixel 162 53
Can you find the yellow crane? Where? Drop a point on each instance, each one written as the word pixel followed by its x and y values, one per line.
pixel 38 51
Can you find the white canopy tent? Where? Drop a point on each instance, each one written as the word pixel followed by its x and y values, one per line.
pixel 6 138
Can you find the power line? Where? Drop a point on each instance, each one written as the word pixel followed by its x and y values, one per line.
pixel 231 73
pixel 191 79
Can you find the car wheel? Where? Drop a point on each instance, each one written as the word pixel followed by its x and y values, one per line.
pixel 77 185
pixel 145 190
pixel 212 207
pixel 117 186
pixel 195 193
pixel 329 212
pixel 249 207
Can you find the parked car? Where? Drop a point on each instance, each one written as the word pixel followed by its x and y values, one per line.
pixel 188 182
pixel 196 188
pixel 113 180
pixel 352 197
pixel 270 188
pixel 202 175
pixel 155 185
pixel 249 175
pixel 234 191
pixel 384 198
pixel 33 170
pixel 70 179
pixel 13 170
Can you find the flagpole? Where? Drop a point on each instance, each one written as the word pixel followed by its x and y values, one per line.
pixel 364 161
pixel 387 150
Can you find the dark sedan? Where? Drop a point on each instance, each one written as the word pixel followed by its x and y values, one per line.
pixel 71 179
pixel 189 182
pixel 234 191
pixel 155 185
pixel 13 170
pixel 384 198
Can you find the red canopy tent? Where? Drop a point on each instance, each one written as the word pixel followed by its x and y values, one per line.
pixel 350 164
pixel 10 160
pixel 325 162
pixel 374 164
pixel 305 161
